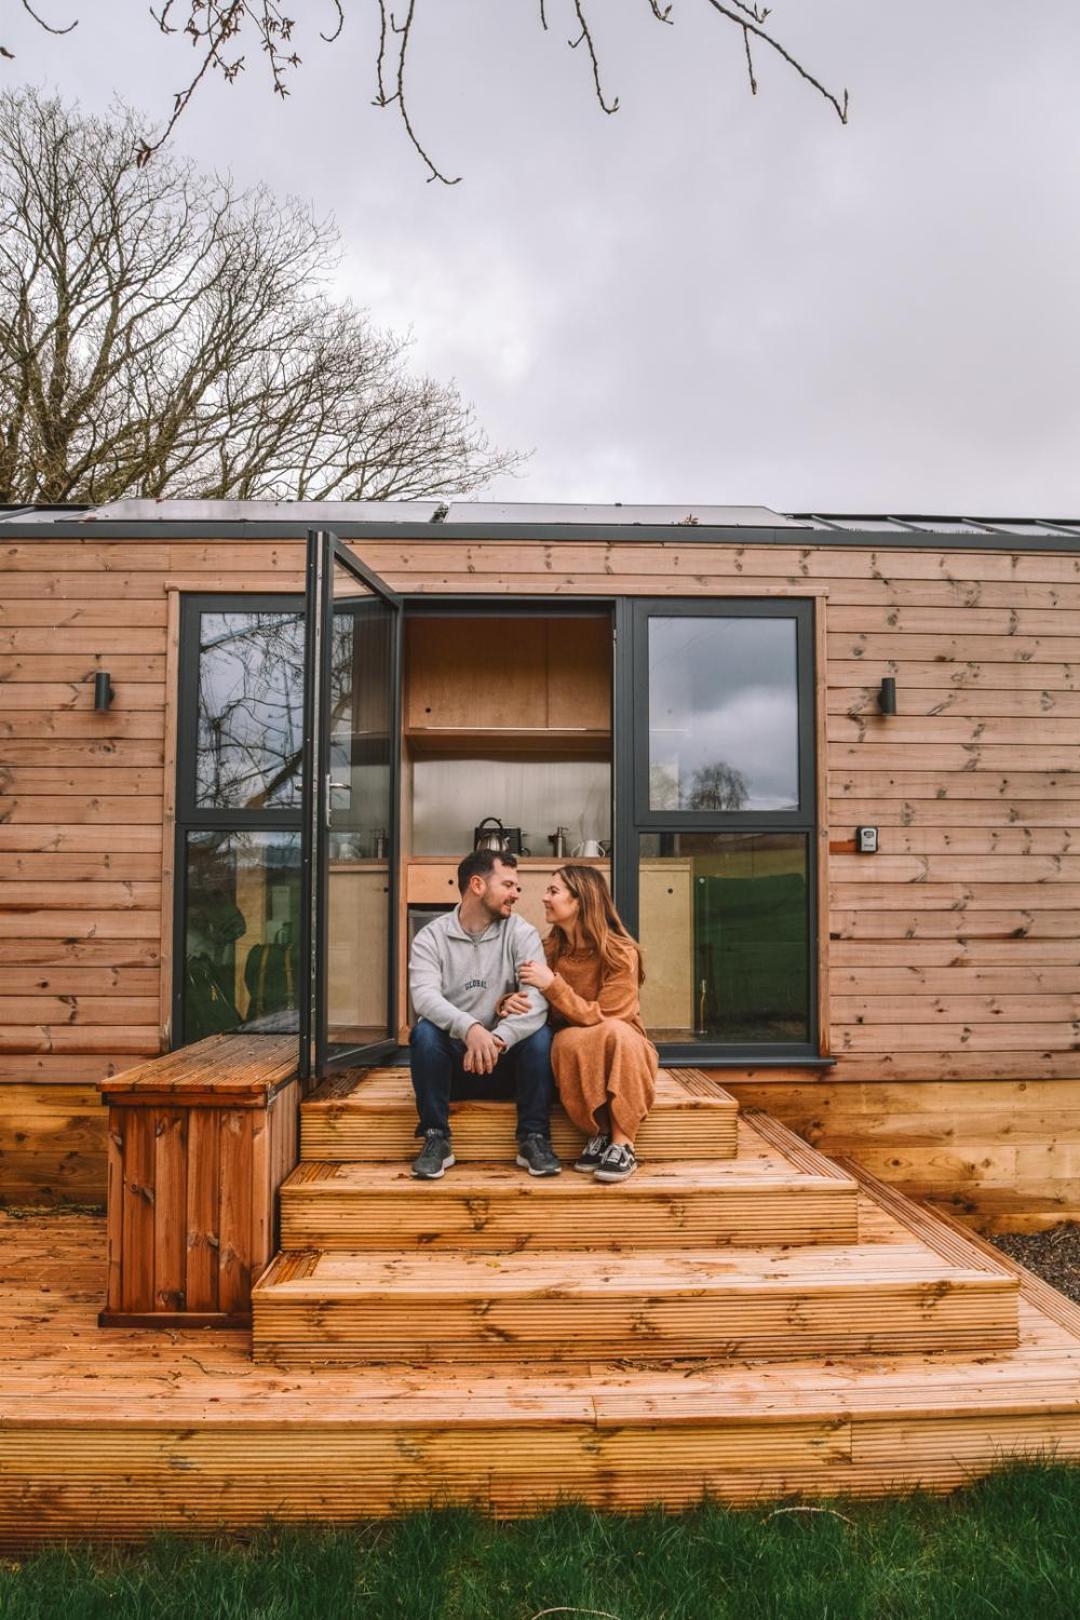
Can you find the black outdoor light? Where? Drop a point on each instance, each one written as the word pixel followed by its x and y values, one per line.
pixel 103 692
pixel 887 695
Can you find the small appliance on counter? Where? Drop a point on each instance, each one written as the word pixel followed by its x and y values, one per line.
pixel 491 834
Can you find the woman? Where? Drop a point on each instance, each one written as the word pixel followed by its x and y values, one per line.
pixel 605 1065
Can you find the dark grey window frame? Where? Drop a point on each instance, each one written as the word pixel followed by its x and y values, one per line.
pixel 191 817
pixel 630 813
pixel 632 755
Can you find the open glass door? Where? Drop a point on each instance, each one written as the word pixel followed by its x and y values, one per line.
pixel 349 848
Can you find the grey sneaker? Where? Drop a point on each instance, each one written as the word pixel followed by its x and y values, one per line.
pixel 436 1158
pixel 535 1154
pixel 618 1162
pixel 589 1158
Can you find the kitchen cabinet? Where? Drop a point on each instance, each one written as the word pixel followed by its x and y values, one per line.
pixel 532 682
pixel 357 954
pixel 666 913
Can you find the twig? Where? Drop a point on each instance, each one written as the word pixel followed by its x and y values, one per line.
pixel 831 1511
pixel 774 44
pixel 405 31
pixel 48 27
pixel 605 1615
pixel 749 62
pixel 586 36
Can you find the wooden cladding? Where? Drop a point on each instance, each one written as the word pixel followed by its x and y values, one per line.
pixel 972 784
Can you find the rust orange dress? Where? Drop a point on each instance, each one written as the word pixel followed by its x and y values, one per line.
pixel 601 1054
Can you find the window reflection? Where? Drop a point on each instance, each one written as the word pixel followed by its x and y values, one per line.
pixel 251 709
pixel 724 927
pixel 242 932
pixel 723 714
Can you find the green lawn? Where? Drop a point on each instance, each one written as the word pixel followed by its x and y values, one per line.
pixel 1008 1547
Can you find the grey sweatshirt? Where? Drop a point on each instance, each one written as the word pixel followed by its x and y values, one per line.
pixel 456 979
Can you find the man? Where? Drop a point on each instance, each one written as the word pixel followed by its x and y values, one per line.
pixel 460 967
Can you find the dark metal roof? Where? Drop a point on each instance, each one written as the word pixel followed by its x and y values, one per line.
pixel 432 520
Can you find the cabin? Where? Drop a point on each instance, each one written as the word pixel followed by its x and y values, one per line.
pixel 827 762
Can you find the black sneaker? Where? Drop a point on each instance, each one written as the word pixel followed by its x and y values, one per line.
pixel 436 1158
pixel 618 1162
pixel 535 1154
pixel 591 1154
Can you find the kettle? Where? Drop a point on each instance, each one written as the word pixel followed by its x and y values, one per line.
pixel 491 834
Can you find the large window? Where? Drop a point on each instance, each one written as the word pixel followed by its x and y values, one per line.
pixel 237 946
pixel 718 849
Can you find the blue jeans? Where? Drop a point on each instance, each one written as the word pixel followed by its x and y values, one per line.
pixel 438 1075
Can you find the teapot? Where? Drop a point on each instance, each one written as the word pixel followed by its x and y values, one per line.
pixel 590 849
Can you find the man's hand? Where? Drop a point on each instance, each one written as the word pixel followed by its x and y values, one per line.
pixel 482 1051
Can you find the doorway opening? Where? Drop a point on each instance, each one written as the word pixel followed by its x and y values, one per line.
pixel 506 735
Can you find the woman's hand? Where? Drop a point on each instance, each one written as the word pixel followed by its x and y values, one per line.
pixel 536 974
pixel 512 1004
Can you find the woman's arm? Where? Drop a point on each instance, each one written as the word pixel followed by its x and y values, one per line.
pixel 619 996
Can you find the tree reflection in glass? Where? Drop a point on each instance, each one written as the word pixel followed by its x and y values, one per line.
pixel 251 710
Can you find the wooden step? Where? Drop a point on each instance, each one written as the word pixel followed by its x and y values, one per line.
pixel 893 1293
pixel 110 1434
pixel 369 1114
pixel 778 1190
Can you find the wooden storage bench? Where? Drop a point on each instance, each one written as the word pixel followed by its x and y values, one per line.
pixel 199 1143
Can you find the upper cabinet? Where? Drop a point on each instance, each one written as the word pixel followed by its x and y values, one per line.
pixel 531 679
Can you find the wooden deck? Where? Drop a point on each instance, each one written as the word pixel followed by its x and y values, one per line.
pixel 113 1432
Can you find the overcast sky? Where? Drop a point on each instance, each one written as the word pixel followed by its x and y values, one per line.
pixel 706 298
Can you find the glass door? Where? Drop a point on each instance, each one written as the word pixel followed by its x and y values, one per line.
pixel 349 844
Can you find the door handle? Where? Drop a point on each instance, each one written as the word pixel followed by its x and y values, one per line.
pixel 330 786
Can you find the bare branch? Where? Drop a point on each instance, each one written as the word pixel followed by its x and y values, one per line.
pixel 405 32
pixel 840 104
pixel 586 36
pixel 749 62
pixel 216 29
pixel 49 28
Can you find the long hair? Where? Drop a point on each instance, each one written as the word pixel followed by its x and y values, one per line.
pixel 600 925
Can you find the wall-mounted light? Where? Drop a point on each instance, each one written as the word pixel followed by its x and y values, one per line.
pixel 887 695
pixel 103 692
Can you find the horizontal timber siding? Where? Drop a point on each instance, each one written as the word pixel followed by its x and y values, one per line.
pixel 954 955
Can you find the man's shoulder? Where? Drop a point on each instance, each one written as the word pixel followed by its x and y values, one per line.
pixel 434 929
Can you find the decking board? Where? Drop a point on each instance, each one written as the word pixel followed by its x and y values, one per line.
pixel 778 1190
pixel 892 1291
pixel 114 1433
pixel 371 1115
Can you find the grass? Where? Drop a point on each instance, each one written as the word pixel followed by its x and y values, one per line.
pixel 1007 1547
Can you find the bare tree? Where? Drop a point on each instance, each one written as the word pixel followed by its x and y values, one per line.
pixel 223 31
pixel 718 786
pixel 161 335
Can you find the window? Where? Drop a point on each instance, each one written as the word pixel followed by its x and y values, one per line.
pixel 237 942
pixel 719 866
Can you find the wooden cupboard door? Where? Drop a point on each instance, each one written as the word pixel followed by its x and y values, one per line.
pixel 666 913
pixel 357 965
pixel 579 663
pixel 466 674
pixel 432 885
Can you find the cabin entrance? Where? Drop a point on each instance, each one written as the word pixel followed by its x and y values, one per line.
pixel 329 783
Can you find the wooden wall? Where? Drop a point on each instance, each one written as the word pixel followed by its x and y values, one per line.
pixel 954 952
